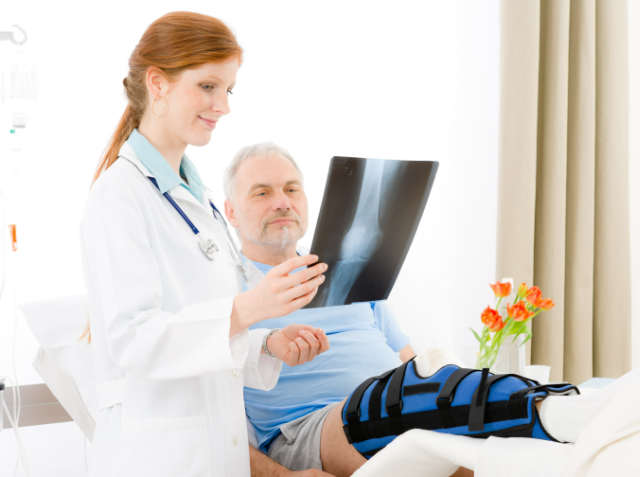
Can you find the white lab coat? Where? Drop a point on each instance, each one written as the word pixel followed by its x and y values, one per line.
pixel 169 377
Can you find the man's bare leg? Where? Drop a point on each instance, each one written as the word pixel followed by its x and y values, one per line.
pixel 338 456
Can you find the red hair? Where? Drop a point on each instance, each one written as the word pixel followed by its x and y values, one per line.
pixel 173 43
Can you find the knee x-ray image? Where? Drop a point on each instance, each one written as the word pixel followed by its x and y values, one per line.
pixel 369 215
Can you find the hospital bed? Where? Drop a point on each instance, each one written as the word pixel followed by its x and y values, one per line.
pixel 65 364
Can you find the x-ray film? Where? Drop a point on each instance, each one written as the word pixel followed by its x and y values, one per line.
pixel 369 215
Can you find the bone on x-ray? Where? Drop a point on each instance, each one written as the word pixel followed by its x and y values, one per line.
pixel 370 212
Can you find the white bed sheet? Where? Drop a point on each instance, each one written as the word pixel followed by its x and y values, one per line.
pixel 607 447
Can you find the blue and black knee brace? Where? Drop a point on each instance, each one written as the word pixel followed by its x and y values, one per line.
pixel 453 400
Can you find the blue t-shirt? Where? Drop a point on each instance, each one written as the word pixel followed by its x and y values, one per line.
pixel 365 339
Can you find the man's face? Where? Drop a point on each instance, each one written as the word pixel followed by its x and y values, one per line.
pixel 269 206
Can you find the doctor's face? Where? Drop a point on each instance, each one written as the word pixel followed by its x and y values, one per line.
pixel 198 99
pixel 269 206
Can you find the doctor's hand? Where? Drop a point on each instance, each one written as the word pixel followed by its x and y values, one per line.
pixel 278 293
pixel 297 344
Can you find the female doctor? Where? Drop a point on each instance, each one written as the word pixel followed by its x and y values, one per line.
pixel 168 323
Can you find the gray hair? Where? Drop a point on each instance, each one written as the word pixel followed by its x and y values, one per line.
pixel 262 149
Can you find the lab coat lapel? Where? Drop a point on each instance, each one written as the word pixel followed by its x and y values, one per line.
pixel 178 192
pixel 129 154
pixel 181 194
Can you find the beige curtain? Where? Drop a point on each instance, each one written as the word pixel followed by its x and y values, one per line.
pixel 563 213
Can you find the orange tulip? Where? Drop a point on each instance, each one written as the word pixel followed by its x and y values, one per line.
pixel 534 296
pixel 518 312
pixel 492 319
pixel 523 290
pixel 546 304
pixel 501 289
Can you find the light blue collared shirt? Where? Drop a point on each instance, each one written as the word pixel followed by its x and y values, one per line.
pixel 161 170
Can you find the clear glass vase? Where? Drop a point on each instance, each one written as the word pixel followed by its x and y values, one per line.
pixel 511 357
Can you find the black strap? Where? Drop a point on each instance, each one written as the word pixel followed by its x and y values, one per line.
pixel 546 387
pixel 353 408
pixel 445 398
pixel 377 427
pixel 516 400
pixel 479 400
pixel 375 400
pixel 516 408
pixel 393 403
pixel 478 395
pixel 422 388
pixel 430 420
pixel 347 434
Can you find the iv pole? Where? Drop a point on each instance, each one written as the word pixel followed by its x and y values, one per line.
pixel 14 420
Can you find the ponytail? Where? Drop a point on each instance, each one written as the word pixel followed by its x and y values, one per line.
pixel 129 121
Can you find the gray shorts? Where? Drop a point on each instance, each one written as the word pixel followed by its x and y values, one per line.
pixel 298 447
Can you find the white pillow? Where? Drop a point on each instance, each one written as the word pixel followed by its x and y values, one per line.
pixel 66 391
pixel 58 324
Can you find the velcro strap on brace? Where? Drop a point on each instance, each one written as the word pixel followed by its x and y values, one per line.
pixel 353 407
pixel 445 398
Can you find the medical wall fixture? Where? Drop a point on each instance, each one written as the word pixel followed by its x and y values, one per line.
pixel 9 35
pixel 18 90
pixel 527 304
pixel 18 97
pixel 2 380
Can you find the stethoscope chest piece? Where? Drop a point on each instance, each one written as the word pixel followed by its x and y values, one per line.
pixel 208 247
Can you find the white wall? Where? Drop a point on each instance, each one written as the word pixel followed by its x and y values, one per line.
pixel 407 80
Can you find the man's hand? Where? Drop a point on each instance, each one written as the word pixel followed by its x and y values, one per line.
pixel 406 354
pixel 278 293
pixel 297 344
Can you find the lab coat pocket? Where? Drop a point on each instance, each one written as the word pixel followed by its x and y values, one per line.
pixel 165 447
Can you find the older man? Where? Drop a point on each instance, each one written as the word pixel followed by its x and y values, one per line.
pixel 298 423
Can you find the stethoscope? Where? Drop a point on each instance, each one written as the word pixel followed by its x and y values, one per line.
pixel 207 245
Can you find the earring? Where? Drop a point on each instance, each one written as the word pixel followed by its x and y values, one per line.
pixel 161 111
